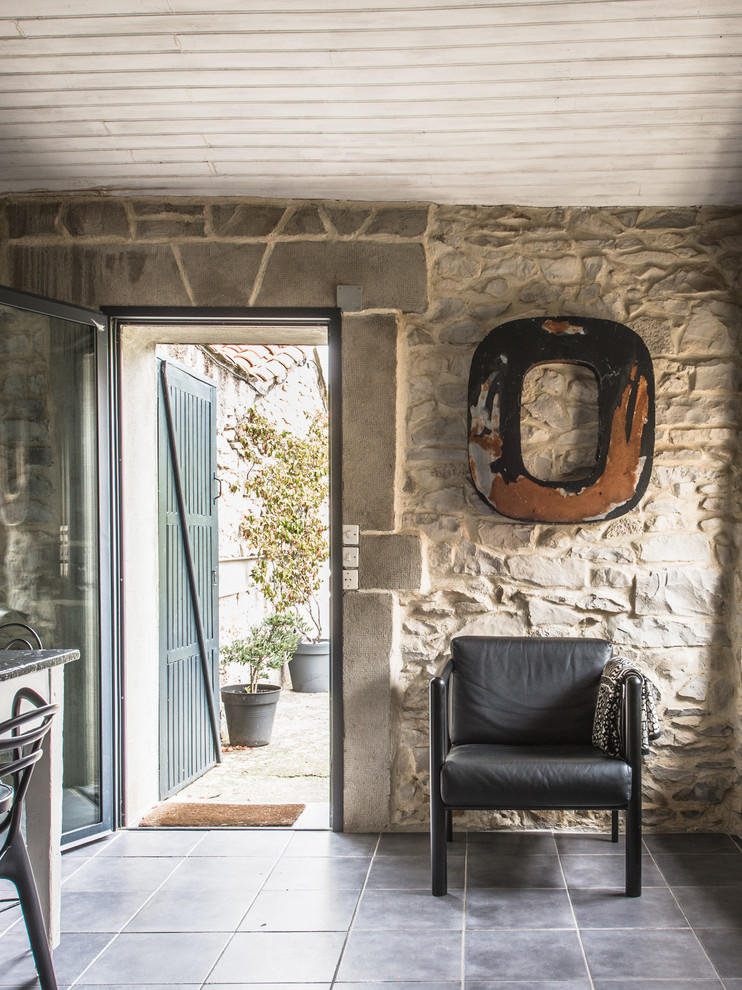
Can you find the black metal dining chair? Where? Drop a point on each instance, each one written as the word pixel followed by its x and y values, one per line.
pixel 21 737
pixel 23 637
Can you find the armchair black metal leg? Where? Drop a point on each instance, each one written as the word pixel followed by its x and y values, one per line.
pixel 449 825
pixel 438 851
pixel 614 825
pixel 633 850
pixel 17 868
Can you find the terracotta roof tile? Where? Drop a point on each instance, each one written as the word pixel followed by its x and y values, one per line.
pixel 265 362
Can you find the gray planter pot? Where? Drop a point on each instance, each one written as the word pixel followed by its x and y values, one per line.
pixel 310 667
pixel 250 716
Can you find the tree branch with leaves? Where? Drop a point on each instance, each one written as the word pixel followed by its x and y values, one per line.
pixel 287 483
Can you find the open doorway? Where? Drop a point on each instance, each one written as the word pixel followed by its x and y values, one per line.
pixel 251 364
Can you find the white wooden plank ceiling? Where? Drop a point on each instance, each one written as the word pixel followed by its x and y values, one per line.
pixel 592 102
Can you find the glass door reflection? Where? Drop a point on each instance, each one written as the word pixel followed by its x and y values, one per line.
pixel 50 530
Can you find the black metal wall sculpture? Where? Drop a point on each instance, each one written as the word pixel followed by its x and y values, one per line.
pixel 623 368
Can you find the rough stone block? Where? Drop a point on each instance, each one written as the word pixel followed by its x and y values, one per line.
pixel 148 207
pixel 347 219
pixel 170 228
pixel 686 591
pixel 221 274
pixel 126 275
pixel 548 572
pixel 690 547
pixel 401 221
pixel 542 613
pixel 367 646
pixel 706 334
pixel 391 562
pixel 369 423
pixel 97 218
pixel 304 220
pixel 245 220
pixel 648 632
pixel 32 218
pixel 306 273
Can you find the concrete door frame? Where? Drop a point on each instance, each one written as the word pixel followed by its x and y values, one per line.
pixel 136 334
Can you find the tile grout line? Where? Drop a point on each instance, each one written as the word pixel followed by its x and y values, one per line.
pixel 233 934
pixel 574 915
pixel 687 919
pixel 349 929
pixel 115 935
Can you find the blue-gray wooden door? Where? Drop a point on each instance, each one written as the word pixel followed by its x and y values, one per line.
pixel 186 741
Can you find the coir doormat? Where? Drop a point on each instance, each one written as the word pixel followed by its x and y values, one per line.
pixel 190 814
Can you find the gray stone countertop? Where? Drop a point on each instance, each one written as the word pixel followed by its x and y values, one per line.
pixel 15 663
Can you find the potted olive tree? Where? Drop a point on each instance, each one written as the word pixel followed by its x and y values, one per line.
pixel 287 528
pixel 251 706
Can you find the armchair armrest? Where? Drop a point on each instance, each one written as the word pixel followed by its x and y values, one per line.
pixel 439 735
pixel 632 736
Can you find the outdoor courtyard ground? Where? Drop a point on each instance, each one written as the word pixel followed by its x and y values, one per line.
pixel 293 768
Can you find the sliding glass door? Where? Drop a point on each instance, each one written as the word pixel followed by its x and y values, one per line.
pixel 55 525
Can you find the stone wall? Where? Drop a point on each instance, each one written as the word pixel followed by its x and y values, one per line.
pixel 661 581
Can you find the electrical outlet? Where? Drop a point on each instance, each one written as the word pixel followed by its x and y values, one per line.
pixel 351 535
pixel 350 556
pixel 350 580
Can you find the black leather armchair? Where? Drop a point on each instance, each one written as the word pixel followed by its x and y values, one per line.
pixel 511 729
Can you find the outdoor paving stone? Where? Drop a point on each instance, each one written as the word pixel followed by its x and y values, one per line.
pixel 409 910
pixel 140 959
pixel 301 910
pixel 281 957
pixel 393 956
pixel 515 907
pixel 610 908
pixel 645 955
pixel 524 955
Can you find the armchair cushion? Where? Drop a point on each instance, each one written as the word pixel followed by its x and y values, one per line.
pixel 529 692
pixel 510 777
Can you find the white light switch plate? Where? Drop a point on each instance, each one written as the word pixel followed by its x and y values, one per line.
pixel 350 556
pixel 351 535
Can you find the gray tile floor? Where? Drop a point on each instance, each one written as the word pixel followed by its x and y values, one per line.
pixel 284 909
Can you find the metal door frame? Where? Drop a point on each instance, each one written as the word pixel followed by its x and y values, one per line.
pixel 108 545
pixel 330 319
